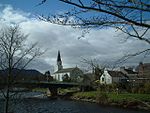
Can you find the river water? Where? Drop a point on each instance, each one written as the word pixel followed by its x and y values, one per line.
pixel 44 105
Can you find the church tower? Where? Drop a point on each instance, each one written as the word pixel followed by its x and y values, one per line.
pixel 59 62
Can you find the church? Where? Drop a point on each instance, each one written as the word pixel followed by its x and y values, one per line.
pixel 72 73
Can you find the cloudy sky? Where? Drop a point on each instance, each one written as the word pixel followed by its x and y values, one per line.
pixel 105 45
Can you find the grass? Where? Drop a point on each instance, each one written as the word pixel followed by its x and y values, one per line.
pixel 68 90
pixel 91 94
pixel 129 97
pixel 114 97
pixel 60 90
pixel 94 94
pixel 39 89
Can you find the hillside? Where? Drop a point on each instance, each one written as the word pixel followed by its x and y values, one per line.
pixel 22 74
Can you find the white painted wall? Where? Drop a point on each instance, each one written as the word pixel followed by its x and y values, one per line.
pixel 106 78
pixel 59 76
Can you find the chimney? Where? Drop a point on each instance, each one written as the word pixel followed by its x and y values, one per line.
pixel 122 68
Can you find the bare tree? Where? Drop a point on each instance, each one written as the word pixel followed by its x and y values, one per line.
pixel 95 66
pixel 129 16
pixel 122 15
pixel 13 51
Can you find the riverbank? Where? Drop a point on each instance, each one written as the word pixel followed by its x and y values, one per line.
pixel 125 100
pixel 39 105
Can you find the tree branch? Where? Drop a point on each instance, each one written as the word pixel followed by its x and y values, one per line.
pixel 108 12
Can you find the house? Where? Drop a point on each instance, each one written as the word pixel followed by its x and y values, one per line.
pixel 109 77
pixel 129 72
pixel 138 77
pixel 62 73
pixel 143 70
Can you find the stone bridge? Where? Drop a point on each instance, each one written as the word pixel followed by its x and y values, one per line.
pixel 52 86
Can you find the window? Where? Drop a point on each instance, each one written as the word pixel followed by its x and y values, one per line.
pixel 103 79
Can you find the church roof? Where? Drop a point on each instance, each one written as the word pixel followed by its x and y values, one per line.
pixel 65 70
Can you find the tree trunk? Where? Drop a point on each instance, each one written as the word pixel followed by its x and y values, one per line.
pixel 7 101
pixel 7 92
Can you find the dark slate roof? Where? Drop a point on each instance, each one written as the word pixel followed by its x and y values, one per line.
pixel 116 73
pixel 65 70
pixel 130 71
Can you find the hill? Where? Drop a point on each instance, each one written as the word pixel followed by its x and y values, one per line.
pixel 22 74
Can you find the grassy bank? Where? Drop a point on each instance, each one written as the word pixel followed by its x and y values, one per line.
pixel 94 94
pixel 129 97
pixel 114 96
pixel 127 100
pixel 39 90
pixel 60 90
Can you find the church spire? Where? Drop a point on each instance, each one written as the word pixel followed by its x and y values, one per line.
pixel 59 62
pixel 58 57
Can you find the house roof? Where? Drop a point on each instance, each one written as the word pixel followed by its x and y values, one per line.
pixel 146 64
pixel 144 70
pixel 129 71
pixel 65 70
pixel 116 73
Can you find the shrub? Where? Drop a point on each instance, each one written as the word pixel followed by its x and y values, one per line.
pixel 134 90
pixel 102 98
pixel 141 90
pixel 147 88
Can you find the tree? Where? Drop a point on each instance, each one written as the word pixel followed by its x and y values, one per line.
pixel 48 76
pixel 147 88
pixel 13 51
pixel 97 69
pixel 66 78
pixel 129 16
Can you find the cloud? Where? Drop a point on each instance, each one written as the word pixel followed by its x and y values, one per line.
pixel 104 45
pixel 9 15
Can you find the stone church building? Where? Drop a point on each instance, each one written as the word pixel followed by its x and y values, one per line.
pixel 72 73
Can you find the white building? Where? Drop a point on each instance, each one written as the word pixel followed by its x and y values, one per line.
pixel 72 73
pixel 109 77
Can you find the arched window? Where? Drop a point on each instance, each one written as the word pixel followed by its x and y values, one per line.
pixel 103 79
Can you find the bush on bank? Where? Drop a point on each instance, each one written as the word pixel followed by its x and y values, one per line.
pixel 99 96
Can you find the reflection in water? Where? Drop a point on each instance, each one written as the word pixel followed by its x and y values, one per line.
pixel 44 105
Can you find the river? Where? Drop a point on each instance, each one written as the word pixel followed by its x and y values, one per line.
pixel 44 105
